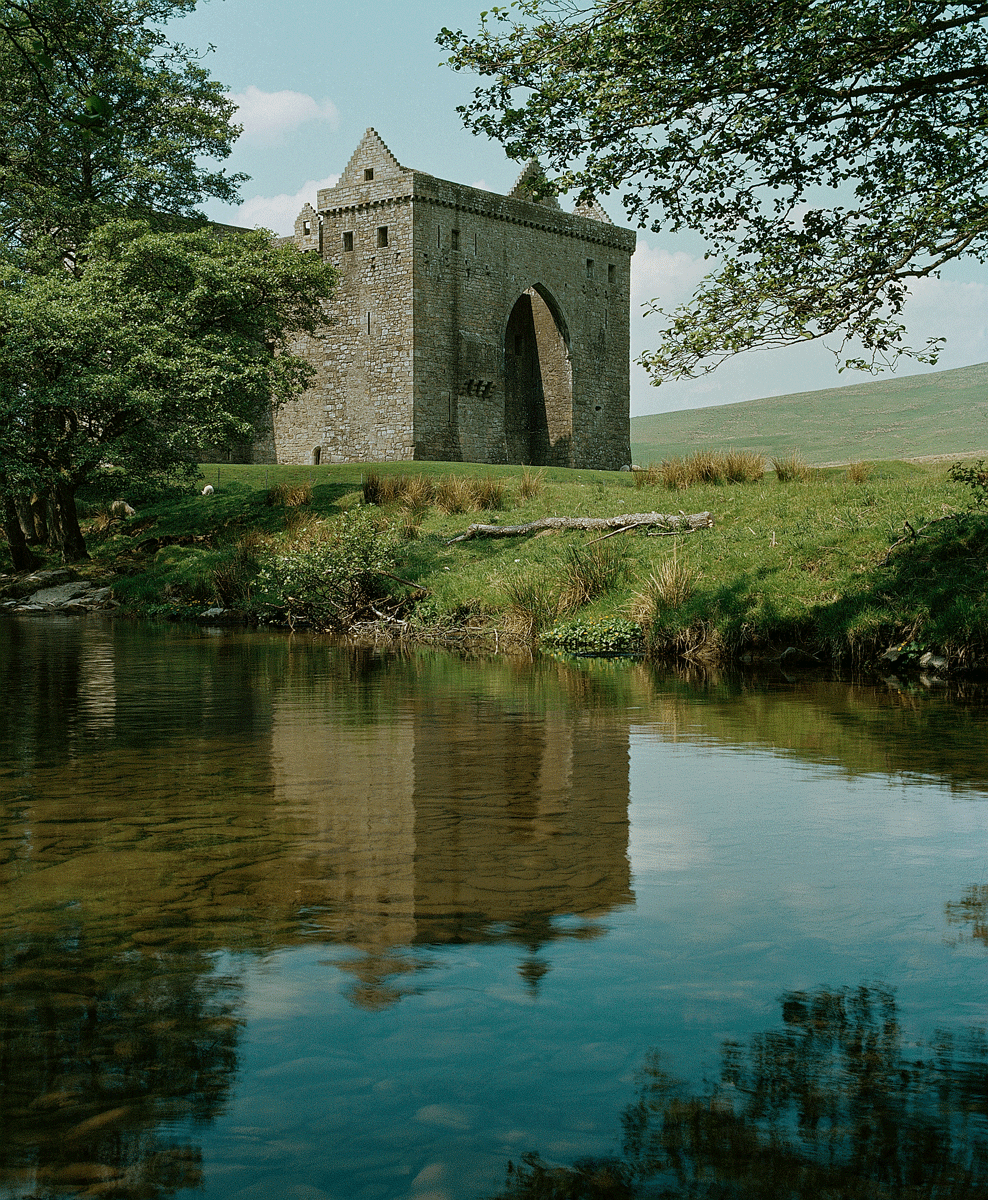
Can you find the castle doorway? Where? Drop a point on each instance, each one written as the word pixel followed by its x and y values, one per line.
pixel 538 382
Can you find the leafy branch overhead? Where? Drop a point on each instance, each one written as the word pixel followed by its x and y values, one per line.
pixel 830 154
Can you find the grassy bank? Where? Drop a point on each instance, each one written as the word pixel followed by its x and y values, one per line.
pixel 803 563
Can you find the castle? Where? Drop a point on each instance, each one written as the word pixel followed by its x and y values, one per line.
pixel 467 326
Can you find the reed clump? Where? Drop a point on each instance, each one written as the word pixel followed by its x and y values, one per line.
pixel 531 484
pixel 705 466
pixel 290 495
pixel 791 468
pixel 858 472
pixel 591 571
pixel 669 586
pixel 450 494
pixel 534 604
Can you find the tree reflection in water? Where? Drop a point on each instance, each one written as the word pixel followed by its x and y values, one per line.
pixel 99 1052
pixel 830 1106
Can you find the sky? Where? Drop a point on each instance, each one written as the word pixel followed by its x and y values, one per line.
pixel 310 76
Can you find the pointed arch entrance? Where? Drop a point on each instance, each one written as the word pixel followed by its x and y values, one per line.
pixel 538 382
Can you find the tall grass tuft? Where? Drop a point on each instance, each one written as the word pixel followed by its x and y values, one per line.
pixel 531 484
pixel 534 604
pixel 858 472
pixel 670 585
pixel 792 468
pixel 591 571
pixel 705 466
pixel 290 495
pixel 743 466
pixel 489 493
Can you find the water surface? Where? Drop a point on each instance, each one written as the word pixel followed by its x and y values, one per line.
pixel 283 919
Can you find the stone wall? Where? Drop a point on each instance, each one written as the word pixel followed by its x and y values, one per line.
pixel 467 326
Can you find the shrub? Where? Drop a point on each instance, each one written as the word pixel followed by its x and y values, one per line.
pixel 975 477
pixel 328 578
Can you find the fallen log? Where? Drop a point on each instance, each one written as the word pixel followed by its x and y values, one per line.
pixel 671 522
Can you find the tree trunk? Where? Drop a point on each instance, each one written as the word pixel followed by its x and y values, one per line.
pixel 20 554
pixel 39 510
pixel 664 521
pixel 71 543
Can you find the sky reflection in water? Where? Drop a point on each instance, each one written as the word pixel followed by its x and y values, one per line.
pixel 282 919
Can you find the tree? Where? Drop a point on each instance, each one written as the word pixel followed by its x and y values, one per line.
pixel 165 342
pixel 102 117
pixel 125 345
pixel 835 1103
pixel 830 154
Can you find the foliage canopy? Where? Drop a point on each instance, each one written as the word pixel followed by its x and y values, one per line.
pixel 131 333
pixel 830 154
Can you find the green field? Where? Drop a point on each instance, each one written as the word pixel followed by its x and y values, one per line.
pixel 944 413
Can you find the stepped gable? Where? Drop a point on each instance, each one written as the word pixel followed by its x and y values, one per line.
pixel 527 186
pixel 372 156
pixel 591 209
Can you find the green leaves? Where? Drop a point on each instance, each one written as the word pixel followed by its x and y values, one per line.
pixel 166 341
pixel 829 154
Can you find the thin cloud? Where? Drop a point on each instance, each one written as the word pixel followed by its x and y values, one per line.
pixel 268 116
pixel 278 213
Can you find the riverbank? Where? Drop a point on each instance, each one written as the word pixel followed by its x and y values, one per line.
pixel 828 565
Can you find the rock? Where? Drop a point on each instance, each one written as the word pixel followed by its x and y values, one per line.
pixel 18 586
pixel 214 612
pixel 932 661
pixel 120 508
pixel 56 597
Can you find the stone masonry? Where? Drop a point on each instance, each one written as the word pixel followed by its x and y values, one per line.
pixel 467 326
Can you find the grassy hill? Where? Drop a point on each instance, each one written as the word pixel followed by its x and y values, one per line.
pixel 943 413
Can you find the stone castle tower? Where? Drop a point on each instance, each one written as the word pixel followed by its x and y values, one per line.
pixel 467 326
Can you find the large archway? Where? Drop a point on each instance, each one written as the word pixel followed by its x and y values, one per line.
pixel 538 383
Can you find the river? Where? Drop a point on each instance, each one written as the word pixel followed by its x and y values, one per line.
pixel 281 918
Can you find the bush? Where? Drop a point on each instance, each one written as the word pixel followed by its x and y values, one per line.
pixel 328 579
pixel 974 477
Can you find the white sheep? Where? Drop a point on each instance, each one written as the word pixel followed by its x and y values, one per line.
pixel 207 490
pixel 120 508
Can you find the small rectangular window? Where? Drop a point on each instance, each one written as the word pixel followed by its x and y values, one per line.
pixel 348 240
pixel 368 322
pixel 475 243
pixel 306 228
pixel 382 235
pixel 590 268
pixel 368 173
pixel 454 236
pixel 611 273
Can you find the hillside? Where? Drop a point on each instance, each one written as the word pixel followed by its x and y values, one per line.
pixel 943 413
